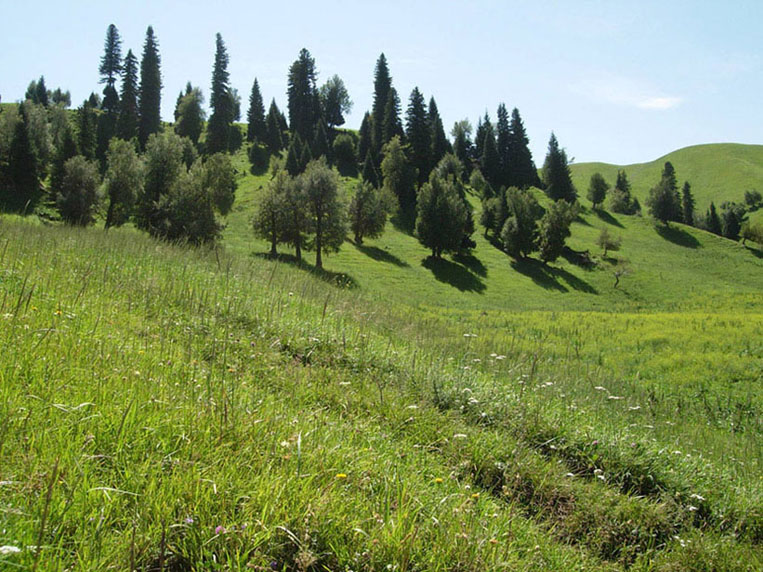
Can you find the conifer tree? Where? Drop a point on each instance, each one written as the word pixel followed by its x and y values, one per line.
pixel 304 102
pixel 190 114
pixel 218 128
pixel 111 61
pixel 127 123
pixel 556 173
pixel 620 200
pixel 87 136
pixel 521 168
pixel 713 221
pixel 483 124
pixel 597 190
pixel 553 230
pixel 321 146
pixel 23 166
pixel 399 175
pixel 305 157
pixel 150 93
pixel 418 135
pixel 255 117
pixel 664 202
pixel 687 204
pixel 365 137
pixel 462 144
pixel 393 125
pixel 441 216
pixel 273 135
pixel 343 150
pixel 502 145
pixel 520 229
pixel 369 172
pixel 65 151
pixel 382 86
pixel 490 160
pixel 439 142
pixel 294 156
pixel 42 92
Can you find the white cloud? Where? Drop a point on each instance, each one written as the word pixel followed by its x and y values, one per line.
pixel 619 90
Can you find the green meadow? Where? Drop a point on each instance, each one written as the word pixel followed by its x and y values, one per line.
pixel 163 407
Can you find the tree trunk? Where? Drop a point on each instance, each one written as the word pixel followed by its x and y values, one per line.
pixel 318 242
pixel 110 215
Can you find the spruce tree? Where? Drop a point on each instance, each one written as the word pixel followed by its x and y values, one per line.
pixel 365 137
pixel 304 102
pixel 382 86
pixel 490 160
pixel 597 190
pixel 42 92
pixel 127 123
pixel 418 135
pixel 368 173
pixel 23 167
pixel 88 131
pixel 294 156
pixel 218 128
pixel 521 168
pixel 620 200
pixel 273 135
pixel 111 61
pixel 321 146
pixel 399 175
pixel 439 142
pixel 393 125
pixel 462 144
pixel 65 151
pixel 483 124
pixel 713 221
pixel 150 93
pixel 255 117
pixel 503 146
pixel 441 216
pixel 687 204
pixel 556 173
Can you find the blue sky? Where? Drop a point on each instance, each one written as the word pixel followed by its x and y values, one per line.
pixel 620 82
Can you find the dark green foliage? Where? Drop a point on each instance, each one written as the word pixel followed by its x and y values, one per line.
pixel 441 216
pixel 106 126
pixel 713 221
pixel 597 190
pixel 521 168
pixel 164 166
pixel 321 146
pixel 417 133
pixel 42 92
pixel 305 157
pixel 31 92
pixel 753 199
pixel 393 124
pixel 520 230
pixel 190 154
pixel 296 220
pixel 490 161
pixel 273 134
pixel 664 201
pixel 87 138
pixel 369 173
pixel 294 156
pixel 150 92
pixel 335 101
pixel 556 173
pixel 186 213
pixel 733 216
pixel 94 100
pixel 344 155
pixel 554 229
pixel 36 118
pixel 327 214
pixel 439 142
pixel 63 98
pixel 219 182
pixel 687 205
pixel 502 144
pixel 111 61
pixel 271 219
pixel 23 166
pixel 65 151
pixel 382 86
pixel 221 102
pixel 190 115
pixel 256 127
pixel 304 102
pixel 365 136
pixel 483 124
pixel 493 215
pixel 368 211
pixel 478 182
pixel 259 157
pixel 78 196
pixel 753 232
pixel 620 200
pixel 127 124
pixel 123 181
pixel 399 175
pixel 607 242
pixel 462 144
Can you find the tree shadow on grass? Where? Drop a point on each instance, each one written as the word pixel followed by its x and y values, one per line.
pixel 404 222
pixel 677 236
pixel 381 255
pixel 340 279
pixel 757 252
pixel 582 259
pixel 604 216
pixel 549 277
pixel 472 263
pixel 453 274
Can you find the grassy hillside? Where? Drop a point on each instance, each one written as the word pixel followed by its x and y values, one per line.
pixel 165 408
pixel 717 172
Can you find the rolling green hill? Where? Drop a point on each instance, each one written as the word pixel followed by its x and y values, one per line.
pixel 717 172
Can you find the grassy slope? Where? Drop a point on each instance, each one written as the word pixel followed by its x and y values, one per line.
pixel 717 172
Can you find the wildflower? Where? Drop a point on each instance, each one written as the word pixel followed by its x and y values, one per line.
pixel 470 335
pixel 189 520
pixel 696 496
pixel 459 436
pixel 493 541
pixel 438 480
pixel 58 312
pixel 692 508
pixel 595 442
pixel 475 496
pixel 500 357
pixel 341 476
pixel 220 529
pixel 7 549
pixel 600 388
